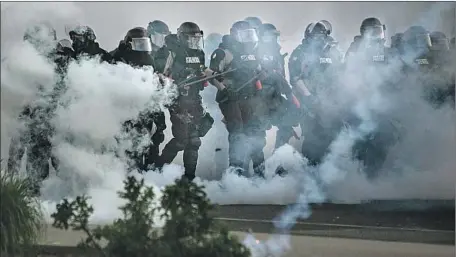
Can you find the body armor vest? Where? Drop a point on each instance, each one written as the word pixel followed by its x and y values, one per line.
pixel 245 63
pixel 187 66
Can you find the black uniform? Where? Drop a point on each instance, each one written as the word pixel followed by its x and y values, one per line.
pixel 185 64
pixel 37 119
pixel 239 101
pixel 280 111
pixel 369 51
pixel 135 50
pixel 443 60
pixel 313 69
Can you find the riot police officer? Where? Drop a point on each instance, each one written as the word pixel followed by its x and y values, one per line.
pixel 313 68
pixel 279 109
pixel 157 30
pixel 443 68
pixel 84 43
pixel 368 56
pixel 185 65
pixel 37 115
pixel 370 44
pixel 135 50
pixel 237 96
pixel 160 35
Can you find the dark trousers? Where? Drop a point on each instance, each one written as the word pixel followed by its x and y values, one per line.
pixel 142 157
pixel 246 135
pixel 185 117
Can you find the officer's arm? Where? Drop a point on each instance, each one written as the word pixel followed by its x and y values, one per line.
pixel 218 64
pixel 168 64
pixel 294 68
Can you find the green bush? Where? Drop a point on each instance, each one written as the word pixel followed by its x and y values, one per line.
pixel 21 215
pixel 189 230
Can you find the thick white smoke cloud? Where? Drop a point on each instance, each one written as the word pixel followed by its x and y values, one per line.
pixel 102 96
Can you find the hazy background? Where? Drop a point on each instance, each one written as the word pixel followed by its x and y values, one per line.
pixel 111 21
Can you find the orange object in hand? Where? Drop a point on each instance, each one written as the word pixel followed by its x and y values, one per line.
pixel 258 85
pixel 295 101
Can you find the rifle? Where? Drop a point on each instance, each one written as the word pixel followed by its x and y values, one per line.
pixel 184 83
pixel 237 90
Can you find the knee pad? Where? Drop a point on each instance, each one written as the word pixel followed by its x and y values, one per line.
pixel 194 142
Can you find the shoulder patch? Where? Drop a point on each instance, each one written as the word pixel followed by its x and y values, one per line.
pixel 216 58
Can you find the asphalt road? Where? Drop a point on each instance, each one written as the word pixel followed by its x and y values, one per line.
pixel 382 229
pixel 420 222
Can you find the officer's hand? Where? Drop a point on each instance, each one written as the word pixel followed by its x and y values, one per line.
pixel 122 46
pixel 207 72
pixel 229 93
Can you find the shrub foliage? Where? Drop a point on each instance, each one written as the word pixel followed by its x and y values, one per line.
pixel 189 230
pixel 21 216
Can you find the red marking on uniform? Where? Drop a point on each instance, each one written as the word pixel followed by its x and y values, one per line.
pixel 258 85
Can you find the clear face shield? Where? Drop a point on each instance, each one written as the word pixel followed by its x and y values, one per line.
pixel 440 45
pixel 195 42
pixel 247 36
pixel 374 33
pixel 64 46
pixel 141 44
pixel 423 41
pixel 158 39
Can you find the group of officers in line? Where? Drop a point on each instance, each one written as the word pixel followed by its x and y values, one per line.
pixel 247 68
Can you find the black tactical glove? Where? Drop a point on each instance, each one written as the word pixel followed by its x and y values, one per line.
pixel 229 93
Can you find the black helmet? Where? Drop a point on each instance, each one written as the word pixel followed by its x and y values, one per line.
pixel 243 32
pixel 327 25
pixel 439 41
pixel 64 47
pixel 85 33
pixel 372 28
pixel 417 37
pixel 317 29
pixel 191 35
pixel 255 22
pixel 82 36
pixel 137 40
pixel 157 31
pixel 268 33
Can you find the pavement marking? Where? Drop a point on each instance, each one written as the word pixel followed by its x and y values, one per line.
pixel 342 225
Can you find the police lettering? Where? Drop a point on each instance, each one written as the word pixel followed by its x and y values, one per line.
pixel 249 57
pixel 422 61
pixel 325 60
pixel 378 58
pixel 192 60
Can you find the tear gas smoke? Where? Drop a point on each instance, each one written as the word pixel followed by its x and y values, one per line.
pixel 100 97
